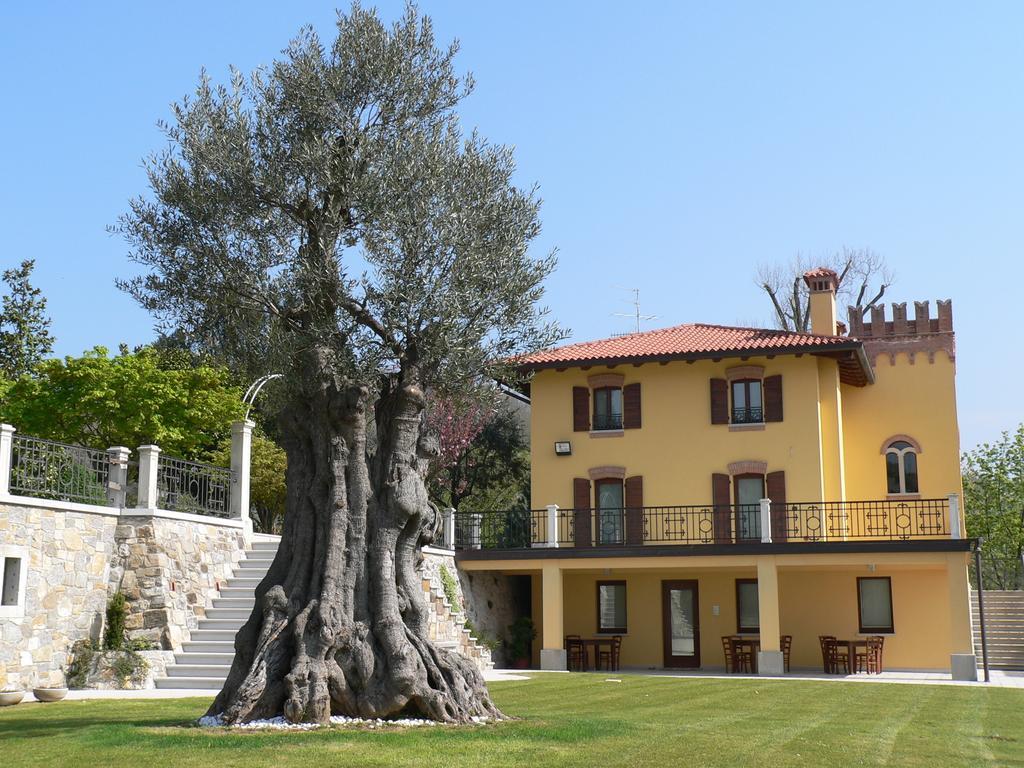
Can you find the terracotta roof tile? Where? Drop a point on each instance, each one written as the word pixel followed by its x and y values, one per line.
pixel 689 340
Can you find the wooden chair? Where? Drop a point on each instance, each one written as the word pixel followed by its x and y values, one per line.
pixel 609 659
pixel 576 653
pixel 824 640
pixel 839 657
pixel 869 658
pixel 785 643
pixel 736 659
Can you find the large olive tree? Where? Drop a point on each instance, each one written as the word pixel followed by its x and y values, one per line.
pixel 327 218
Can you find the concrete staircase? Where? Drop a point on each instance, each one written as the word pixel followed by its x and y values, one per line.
pixel 1004 628
pixel 205 660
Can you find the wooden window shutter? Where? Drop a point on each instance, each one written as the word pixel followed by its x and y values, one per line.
pixel 634 493
pixel 581 512
pixel 580 410
pixel 773 398
pixel 723 509
pixel 720 402
pixel 631 406
pixel 775 489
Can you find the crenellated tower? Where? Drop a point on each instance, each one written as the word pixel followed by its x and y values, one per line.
pixel 921 335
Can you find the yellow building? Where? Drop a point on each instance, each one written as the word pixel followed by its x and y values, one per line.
pixel 703 482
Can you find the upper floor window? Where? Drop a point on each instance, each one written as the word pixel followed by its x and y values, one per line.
pixel 746 402
pixel 607 408
pixel 901 467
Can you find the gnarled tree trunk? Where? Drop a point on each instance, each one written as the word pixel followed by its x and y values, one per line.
pixel 340 623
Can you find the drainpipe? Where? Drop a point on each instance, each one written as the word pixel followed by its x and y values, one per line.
pixel 981 607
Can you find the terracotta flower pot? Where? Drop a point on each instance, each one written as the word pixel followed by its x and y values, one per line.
pixel 49 694
pixel 10 698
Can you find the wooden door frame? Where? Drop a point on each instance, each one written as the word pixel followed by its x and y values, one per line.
pixel 666 624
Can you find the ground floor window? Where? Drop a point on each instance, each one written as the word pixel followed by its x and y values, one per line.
pixel 748 614
pixel 611 606
pixel 874 604
pixel 13 562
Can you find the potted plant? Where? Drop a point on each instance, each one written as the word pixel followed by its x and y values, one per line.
pixel 521 635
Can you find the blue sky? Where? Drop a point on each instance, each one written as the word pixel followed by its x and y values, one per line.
pixel 677 146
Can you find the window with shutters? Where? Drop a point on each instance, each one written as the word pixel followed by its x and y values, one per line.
pixel 607 408
pixel 748 612
pixel 901 468
pixel 747 406
pixel 874 604
pixel 611 607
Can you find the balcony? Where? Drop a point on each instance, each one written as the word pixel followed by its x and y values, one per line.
pixel 750 415
pixel 779 526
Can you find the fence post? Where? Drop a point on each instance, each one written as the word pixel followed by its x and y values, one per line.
pixel 448 528
pixel 954 516
pixel 241 471
pixel 766 521
pixel 117 475
pixel 6 454
pixel 552 537
pixel 149 496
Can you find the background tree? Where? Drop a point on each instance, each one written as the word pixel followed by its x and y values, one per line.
pixel 25 338
pixel 863 280
pixel 267 481
pixel 993 477
pixel 326 218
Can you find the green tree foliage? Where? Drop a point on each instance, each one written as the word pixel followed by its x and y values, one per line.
pixel 129 399
pixel 267 485
pixel 24 325
pixel 993 477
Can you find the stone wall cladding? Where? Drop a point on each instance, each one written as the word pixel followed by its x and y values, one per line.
pixel 446 622
pixel 70 554
pixel 169 570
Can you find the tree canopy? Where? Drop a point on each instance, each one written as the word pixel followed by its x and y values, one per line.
pixel 25 338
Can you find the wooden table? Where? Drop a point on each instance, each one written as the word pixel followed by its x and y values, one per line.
pixel 851 650
pixel 754 644
pixel 595 643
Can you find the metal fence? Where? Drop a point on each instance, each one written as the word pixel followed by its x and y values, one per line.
pixel 889 520
pixel 46 469
pixel 188 486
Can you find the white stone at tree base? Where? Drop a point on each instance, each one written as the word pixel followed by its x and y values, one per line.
pixel 280 723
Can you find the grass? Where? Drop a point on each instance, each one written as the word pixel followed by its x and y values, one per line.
pixel 566 720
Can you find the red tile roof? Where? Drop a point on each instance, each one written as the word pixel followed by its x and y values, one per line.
pixel 692 340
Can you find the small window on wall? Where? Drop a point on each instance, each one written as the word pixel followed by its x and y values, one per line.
pixel 12 586
pixel 607 408
pixel 874 604
pixel 901 468
pixel 611 606
pixel 748 614
pixel 746 402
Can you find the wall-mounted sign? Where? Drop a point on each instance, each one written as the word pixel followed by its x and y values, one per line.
pixel 563 449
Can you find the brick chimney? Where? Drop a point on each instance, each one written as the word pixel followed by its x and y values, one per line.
pixel 822 283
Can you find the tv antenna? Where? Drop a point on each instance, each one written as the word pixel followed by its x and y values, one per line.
pixel 635 315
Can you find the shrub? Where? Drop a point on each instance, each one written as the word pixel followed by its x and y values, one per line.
pixel 451 588
pixel 114 634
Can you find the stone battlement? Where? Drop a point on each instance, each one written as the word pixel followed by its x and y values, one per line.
pixel 901 325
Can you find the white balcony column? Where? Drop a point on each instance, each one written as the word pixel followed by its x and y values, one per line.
pixel 552 537
pixel 448 528
pixel 6 454
pixel 149 496
pixel 117 475
pixel 475 524
pixel 241 473
pixel 766 521
pixel 954 516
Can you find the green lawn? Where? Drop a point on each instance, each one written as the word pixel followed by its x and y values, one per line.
pixel 567 720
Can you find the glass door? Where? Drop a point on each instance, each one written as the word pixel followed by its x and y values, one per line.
pixel 609 512
pixel 680 623
pixel 749 492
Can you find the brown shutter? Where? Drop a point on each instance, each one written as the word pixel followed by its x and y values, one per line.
pixel 723 508
pixel 634 493
pixel 631 406
pixel 581 512
pixel 775 489
pixel 580 409
pixel 719 401
pixel 773 398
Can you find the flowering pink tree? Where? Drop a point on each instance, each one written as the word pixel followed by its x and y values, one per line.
pixel 456 423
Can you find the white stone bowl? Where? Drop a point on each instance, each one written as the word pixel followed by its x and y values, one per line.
pixel 10 698
pixel 49 694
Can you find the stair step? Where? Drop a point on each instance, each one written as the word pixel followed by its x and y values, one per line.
pixel 230 601
pixel 212 635
pixel 245 593
pixel 253 565
pixel 199 670
pixel 212 646
pixel 224 625
pixel 204 683
pixel 265 546
pixel 190 658
pixel 243 582
pixel 228 613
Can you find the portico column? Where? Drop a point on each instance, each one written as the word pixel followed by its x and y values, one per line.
pixel 962 661
pixel 769 659
pixel 552 653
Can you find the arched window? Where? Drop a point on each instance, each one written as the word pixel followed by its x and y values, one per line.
pixel 901 467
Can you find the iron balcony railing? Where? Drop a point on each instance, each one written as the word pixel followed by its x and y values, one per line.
pixel 606 421
pixel 46 469
pixel 188 486
pixel 885 520
pixel 747 415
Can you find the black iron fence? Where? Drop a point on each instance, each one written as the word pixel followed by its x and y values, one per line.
pixel 885 520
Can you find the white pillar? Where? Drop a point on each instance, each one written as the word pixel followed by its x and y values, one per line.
pixel 149 497
pixel 475 524
pixel 241 473
pixel 6 452
pixel 448 528
pixel 766 521
pixel 117 475
pixel 954 516
pixel 552 537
